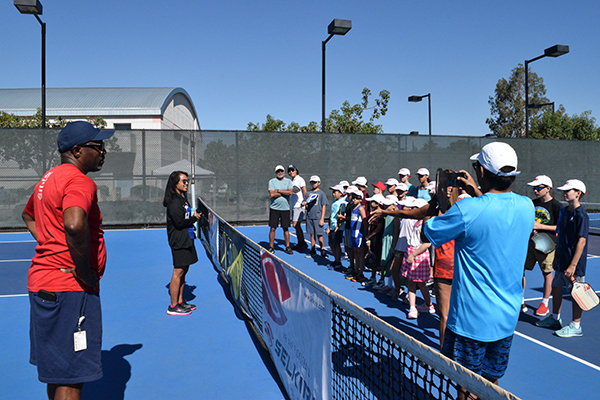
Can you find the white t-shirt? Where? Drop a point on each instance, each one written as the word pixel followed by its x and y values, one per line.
pixel 297 184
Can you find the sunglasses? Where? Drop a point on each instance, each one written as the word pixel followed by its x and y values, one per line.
pixel 185 181
pixel 539 188
pixel 99 147
pixel 475 164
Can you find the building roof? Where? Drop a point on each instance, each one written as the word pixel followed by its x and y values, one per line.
pixel 90 101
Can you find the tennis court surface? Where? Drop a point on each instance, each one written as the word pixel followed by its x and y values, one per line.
pixel 212 355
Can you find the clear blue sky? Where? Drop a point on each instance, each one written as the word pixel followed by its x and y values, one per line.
pixel 242 60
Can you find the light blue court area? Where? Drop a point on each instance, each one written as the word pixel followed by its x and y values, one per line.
pixel 147 354
pixel 210 354
pixel 542 366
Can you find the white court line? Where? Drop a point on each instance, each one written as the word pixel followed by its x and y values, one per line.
pixel 554 349
pixel 27 259
pixel 14 295
pixel 18 241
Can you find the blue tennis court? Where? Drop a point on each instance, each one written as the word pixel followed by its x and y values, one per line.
pixel 211 354
pixel 147 354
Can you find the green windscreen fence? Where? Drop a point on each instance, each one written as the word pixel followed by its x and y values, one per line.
pixel 232 168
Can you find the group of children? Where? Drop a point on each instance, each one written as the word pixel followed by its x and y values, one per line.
pixel 390 247
pixel 382 233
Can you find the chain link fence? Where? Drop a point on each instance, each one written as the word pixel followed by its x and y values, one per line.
pixel 233 167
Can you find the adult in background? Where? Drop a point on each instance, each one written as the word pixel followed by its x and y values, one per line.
pixel 490 234
pixel 180 231
pixel 63 216
pixel 280 190
pixel 298 212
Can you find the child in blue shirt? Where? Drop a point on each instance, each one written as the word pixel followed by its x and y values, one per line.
pixel 335 229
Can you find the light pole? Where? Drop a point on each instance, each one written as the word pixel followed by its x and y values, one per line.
pixel 416 99
pixel 35 7
pixel 540 105
pixel 554 51
pixel 336 27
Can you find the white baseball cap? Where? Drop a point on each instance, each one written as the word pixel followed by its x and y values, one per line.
pixel 354 190
pixel 413 202
pixel 392 182
pixel 344 184
pixel 423 171
pixel 378 198
pixel 279 168
pixel 497 155
pixel 315 178
pixel 431 187
pixel 339 188
pixel 389 200
pixel 573 184
pixel 541 180
pixel 404 171
pixel 403 187
pixel 361 180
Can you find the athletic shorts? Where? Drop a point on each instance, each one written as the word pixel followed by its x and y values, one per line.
pixel 336 237
pixel 313 227
pixel 52 325
pixel 544 260
pixel 560 280
pixel 298 214
pixel 488 359
pixel 279 217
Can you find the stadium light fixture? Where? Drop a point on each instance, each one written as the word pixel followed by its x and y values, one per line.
pixel 416 99
pixel 540 105
pixel 336 27
pixel 35 7
pixel 554 51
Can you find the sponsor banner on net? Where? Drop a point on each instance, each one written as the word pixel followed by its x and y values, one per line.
pixel 297 325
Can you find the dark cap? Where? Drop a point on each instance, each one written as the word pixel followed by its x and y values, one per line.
pixel 80 132
pixel 292 167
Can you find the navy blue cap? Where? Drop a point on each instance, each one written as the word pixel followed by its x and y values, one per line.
pixel 292 166
pixel 80 132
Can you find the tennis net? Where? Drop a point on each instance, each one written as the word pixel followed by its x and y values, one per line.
pixel 349 354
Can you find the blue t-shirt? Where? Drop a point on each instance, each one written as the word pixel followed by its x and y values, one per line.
pixel 315 200
pixel 423 194
pixel 338 206
pixel 491 235
pixel 281 203
pixel 412 190
pixel 572 224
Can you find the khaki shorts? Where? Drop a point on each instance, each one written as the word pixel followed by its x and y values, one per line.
pixel 545 261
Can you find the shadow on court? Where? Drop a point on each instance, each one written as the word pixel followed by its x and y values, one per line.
pixel 117 372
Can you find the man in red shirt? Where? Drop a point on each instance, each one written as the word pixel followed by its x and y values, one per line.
pixel 63 216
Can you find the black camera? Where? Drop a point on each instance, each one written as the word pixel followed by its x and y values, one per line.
pixel 452 179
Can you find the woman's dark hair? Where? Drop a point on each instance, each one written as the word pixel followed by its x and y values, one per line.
pixel 170 191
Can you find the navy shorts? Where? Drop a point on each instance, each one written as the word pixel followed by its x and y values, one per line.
pixel 488 359
pixel 52 325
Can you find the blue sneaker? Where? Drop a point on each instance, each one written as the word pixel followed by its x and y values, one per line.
pixel 569 331
pixel 550 323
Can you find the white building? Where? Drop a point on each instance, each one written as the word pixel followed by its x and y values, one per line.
pixel 121 108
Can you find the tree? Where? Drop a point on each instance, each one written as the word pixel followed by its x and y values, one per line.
pixel 35 148
pixel 507 106
pixel 559 125
pixel 348 119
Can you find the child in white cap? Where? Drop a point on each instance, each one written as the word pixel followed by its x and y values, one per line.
pixel 571 257
pixel 547 210
pixel 315 202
